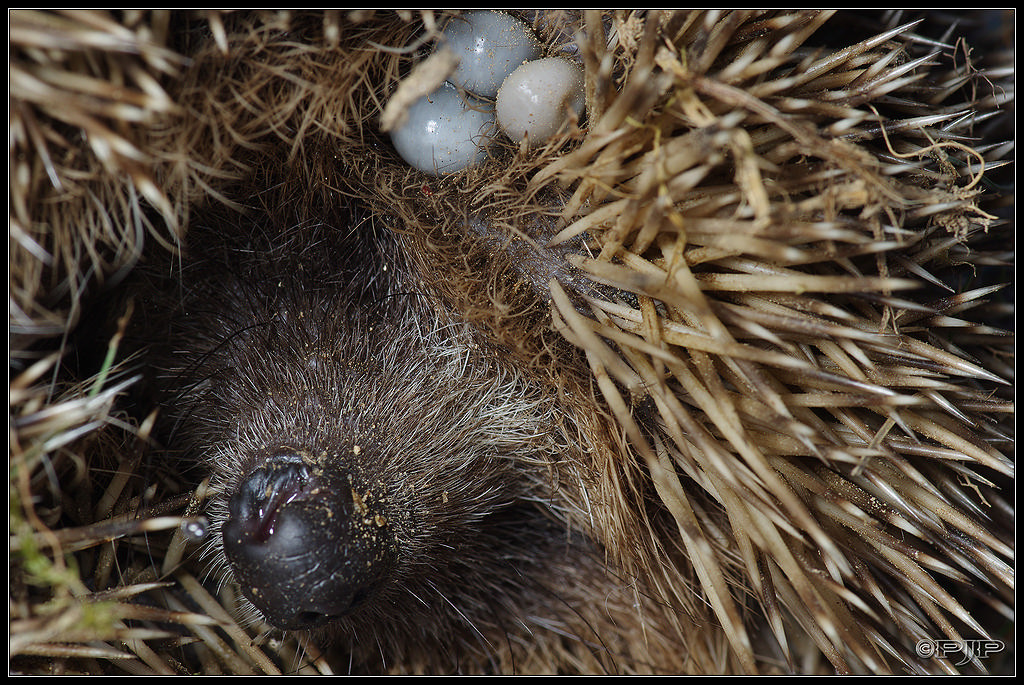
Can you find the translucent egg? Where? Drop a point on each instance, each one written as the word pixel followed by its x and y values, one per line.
pixel 443 133
pixel 489 45
pixel 535 100
pixel 195 529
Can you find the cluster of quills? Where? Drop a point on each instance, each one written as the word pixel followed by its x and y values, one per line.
pixel 502 81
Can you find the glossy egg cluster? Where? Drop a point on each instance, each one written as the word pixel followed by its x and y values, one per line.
pixel 498 57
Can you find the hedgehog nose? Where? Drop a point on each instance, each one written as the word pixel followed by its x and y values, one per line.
pixel 303 544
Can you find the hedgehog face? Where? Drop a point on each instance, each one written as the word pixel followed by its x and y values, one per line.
pixel 367 450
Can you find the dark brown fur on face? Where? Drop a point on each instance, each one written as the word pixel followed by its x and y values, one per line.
pixel 414 479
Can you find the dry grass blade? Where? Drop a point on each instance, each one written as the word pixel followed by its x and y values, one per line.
pixel 773 299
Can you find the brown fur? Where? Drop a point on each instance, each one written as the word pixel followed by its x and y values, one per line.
pixel 771 454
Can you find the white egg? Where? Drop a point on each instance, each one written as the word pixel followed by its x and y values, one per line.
pixel 535 100
pixel 443 134
pixel 489 45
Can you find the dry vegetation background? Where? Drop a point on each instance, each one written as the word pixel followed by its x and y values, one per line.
pixel 813 213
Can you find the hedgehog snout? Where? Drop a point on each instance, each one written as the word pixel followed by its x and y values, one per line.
pixel 304 545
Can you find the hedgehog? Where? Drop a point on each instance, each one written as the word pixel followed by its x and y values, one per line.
pixel 718 379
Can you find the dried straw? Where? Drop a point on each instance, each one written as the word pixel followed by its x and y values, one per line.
pixel 794 345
